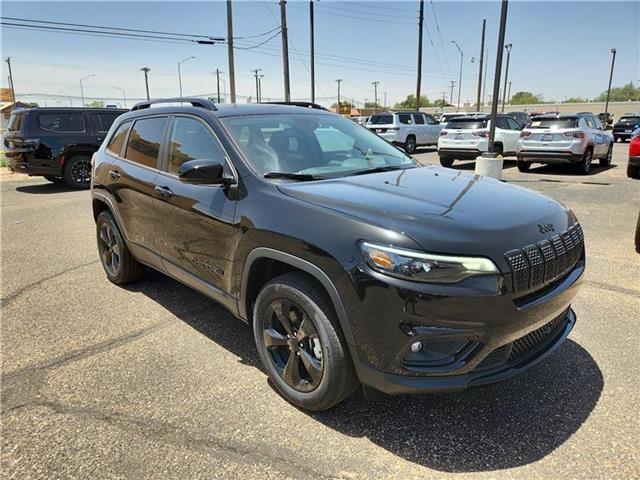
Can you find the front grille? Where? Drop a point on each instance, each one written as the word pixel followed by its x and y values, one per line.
pixel 536 265
pixel 533 340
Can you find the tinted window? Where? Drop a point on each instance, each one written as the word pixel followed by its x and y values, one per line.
pixel 405 118
pixel 419 119
pixel 590 122
pixel 145 140
pixel 629 120
pixel 117 141
pixel 61 122
pixel 430 120
pixel 15 121
pixel 381 119
pixel 571 122
pixel 513 125
pixel 191 140
pixel 103 121
pixel 463 123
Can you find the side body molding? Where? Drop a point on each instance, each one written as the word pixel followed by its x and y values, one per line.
pixel 305 266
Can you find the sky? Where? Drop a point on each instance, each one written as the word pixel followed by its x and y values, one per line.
pixel 560 49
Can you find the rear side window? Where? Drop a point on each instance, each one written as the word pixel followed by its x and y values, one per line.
pixel 430 120
pixel 191 140
pixel 419 118
pixel 16 121
pixel 103 121
pixel 405 119
pixel 61 122
pixel 381 119
pixel 117 141
pixel 554 123
pixel 463 123
pixel 145 140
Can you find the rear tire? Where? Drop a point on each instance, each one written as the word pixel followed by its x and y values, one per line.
pixel 52 179
pixel 116 259
pixel 633 172
pixel 300 343
pixel 584 167
pixel 446 161
pixel 410 145
pixel 606 160
pixel 523 166
pixel 77 172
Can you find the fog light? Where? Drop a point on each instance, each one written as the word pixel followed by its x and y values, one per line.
pixel 416 346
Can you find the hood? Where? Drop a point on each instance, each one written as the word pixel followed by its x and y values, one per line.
pixel 443 210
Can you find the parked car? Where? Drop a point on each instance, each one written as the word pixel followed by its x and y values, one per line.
pixel 522 118
pixel 466 138
pixel 566 138
pixel 623 128
pixel 360 120
pixel 57 143
pixel 274 211
pixel 633 166
pixel 408 130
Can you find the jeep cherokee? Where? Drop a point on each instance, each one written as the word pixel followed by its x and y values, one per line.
pixel 354 264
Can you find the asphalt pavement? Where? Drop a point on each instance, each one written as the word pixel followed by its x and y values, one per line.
pixel 157 381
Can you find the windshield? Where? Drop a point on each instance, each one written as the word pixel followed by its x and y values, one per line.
pixel 321 145
pixel 381 119
pixel 630 120
pixel 15 121
pixel 554 123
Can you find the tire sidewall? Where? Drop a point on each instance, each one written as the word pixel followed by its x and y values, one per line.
pixel 410 145
pixel 273 292
pixel 106 217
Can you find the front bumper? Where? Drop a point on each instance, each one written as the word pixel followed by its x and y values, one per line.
pixel 634 161
pixel 549 156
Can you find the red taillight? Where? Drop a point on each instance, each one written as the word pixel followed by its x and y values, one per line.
pixel 443 133
pixel 574 134
pixel 525 134
pixel 480 133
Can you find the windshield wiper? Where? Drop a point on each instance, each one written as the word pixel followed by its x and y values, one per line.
pixel 293 176
pixel 382 168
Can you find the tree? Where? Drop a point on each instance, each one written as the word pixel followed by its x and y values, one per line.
pixel 440 102
pixel 410 102
pixel 525 98
pixel 575 100
pixel 371 105
pixel 343 104
pixel 620 94
pixel 96 104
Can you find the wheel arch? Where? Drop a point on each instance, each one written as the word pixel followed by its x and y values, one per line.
pixel 264 263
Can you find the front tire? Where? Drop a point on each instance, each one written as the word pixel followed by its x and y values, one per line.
pixel 300 343
pixel 116 259
pixel 523 166
pixel 410 145
pixel 584 167
pixel 77 172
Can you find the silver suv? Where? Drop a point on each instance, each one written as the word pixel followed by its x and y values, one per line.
pixel 406 129
pixel 565 138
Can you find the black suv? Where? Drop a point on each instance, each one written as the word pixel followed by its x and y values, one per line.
pixel 624 128
pixel 57 143
pixel 354 264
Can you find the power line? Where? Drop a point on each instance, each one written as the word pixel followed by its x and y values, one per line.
pixel 435 18
pixel 259 44
pixel 354 17
pixel 360 12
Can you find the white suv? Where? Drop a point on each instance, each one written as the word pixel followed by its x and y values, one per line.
pixel 566 138
pixel 465 138
pixel 406 129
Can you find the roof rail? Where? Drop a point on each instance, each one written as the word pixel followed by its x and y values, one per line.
pixel 196 102
pixel 299 104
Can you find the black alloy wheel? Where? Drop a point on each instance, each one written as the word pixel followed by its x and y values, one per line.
pixel 110 250
pixel 117 261
pixel 585 164
pixel 293 345
pixel 410 145
pixel 77 172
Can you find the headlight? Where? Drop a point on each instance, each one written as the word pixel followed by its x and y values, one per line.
pixel 425 267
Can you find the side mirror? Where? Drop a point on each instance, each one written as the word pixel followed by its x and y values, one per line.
pixel 203 171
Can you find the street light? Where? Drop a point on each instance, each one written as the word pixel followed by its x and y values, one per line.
pixel 124 98
pixel 506 74
pixel 606 105
pixel 146 79
pixel 180 73
pixel 339 81
pixel 82 88
pixel 460 80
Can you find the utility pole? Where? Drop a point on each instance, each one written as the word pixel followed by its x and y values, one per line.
pixel 338 81
pixel 385 101
pixel 285 48
pixel 13 89
pixel 232 68
pixel 218 72
pixel 606 105
pixel 82 88
pixel 256 72
pixel 506 75
pixel 375 95
pixel 419 79
pixel 313 56
pixel 444 102
pixel 498 73
pixel 509 94
pixel 460 80
pixel 484 82
pixel 453 83
pixel 146 79
pixel 484 26
pixel 260 77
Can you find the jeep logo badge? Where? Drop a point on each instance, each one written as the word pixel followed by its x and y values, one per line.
pixel 545 227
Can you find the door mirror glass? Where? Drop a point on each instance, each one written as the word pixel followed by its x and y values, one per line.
pixel 203 171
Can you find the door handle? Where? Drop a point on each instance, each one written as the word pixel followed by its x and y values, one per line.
pixel 164 192
pixel 113 174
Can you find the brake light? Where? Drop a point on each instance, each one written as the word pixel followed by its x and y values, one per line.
pixel 525 134
pixel 443 133
pixel 574 134
pixel 480 133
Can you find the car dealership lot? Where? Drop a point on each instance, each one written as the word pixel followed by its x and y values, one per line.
pixel 157 381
